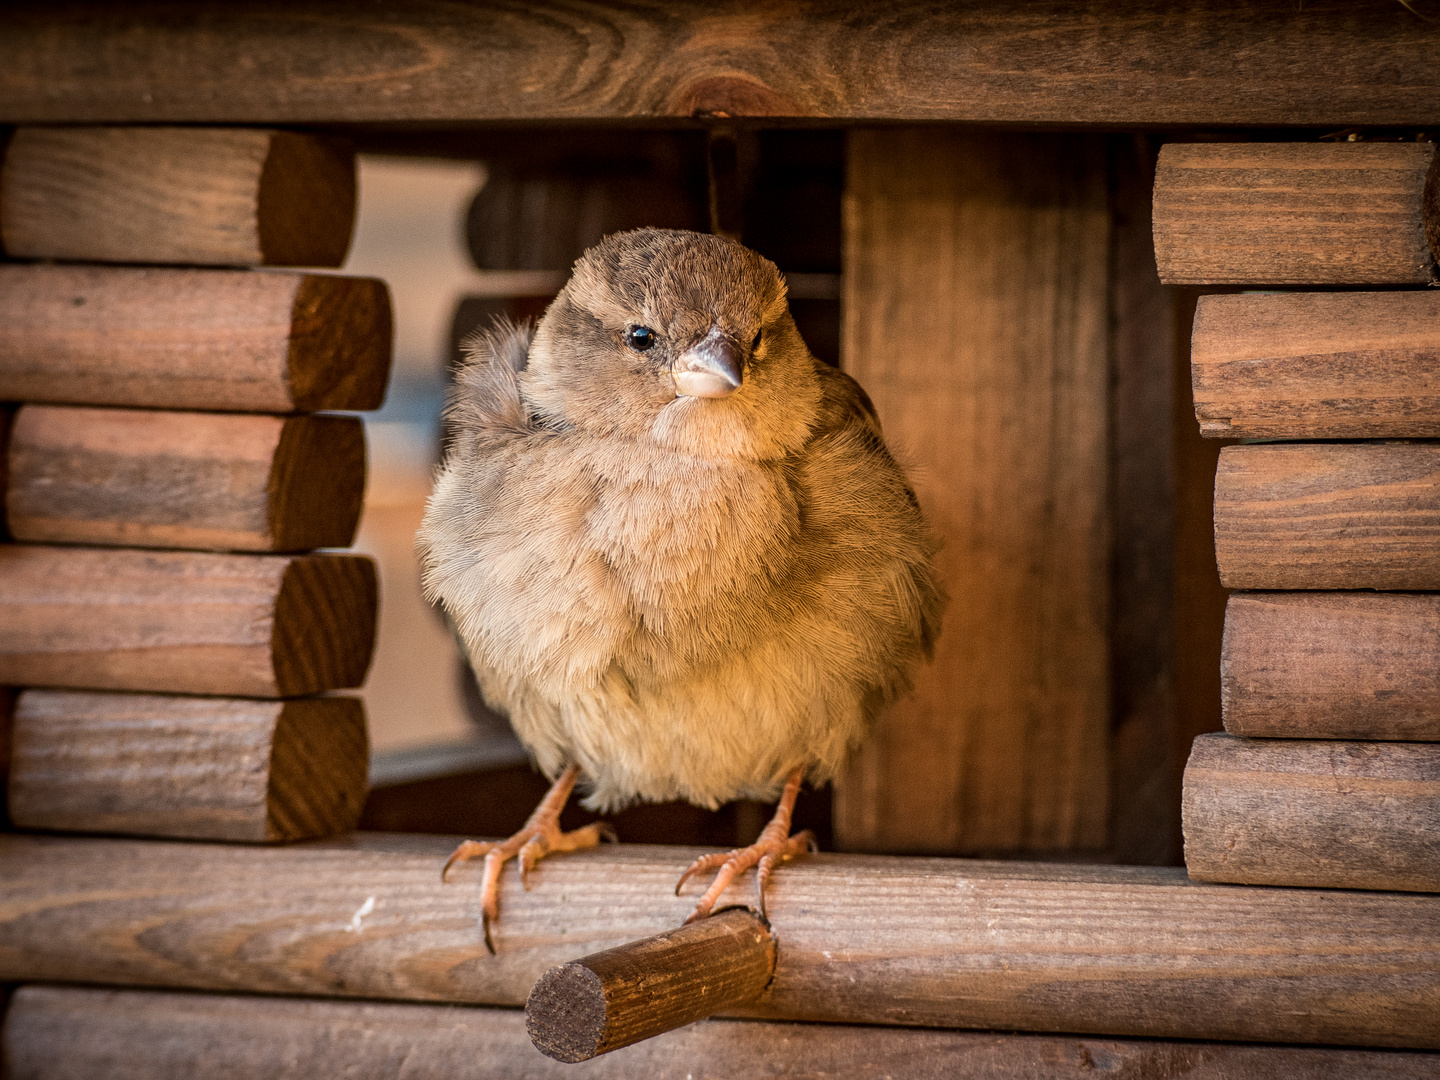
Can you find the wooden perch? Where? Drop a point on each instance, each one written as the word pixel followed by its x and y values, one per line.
pixel 185 622
pixel 1324 813
pixel 193 196
pixel 1338 365
pixel 229 340
pixel 185 480
pixel 621 996
pixel 863 939
pixel 1328 516
pixel 73 1033
pixel 1297 213
pixel 195 768
pixel 1323 665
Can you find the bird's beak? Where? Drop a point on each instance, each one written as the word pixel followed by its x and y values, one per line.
pixel 714 368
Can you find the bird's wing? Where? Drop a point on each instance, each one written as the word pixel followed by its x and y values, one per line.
pixel 487 394
pixel 844 402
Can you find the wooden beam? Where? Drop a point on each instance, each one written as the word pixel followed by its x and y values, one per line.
pixel 194 768
pixel 184 622
pixel 862 939
pixel 194 196
pixel 1328 516
pixel 1297 213
pixel 229 340
pixel 1339 365
pixel 1132 62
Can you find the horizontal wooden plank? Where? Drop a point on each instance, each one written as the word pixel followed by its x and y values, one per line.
pixel 193 196
pixel 1332 665
pixel 184 480
pixel 1127 62
pixel 1325 813
pixel 184 622
pixel 73 1033
pixel 1328 516
pixel 1336 365
pixel 229 340
pixel 194 768
pixel 862 939
pixel 1297 213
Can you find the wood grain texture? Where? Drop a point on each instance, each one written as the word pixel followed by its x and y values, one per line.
pixel 1324 813
pixel 1339 365
pixel 863 939
pixel 184 622
pixel 1329 516
pixel 72 1033
pixel 185 480
pixel 1134 62
pixel 192 768
pixel 621 996
pixel 7 738
pixel 975 314
pixel 1332 665
pixel 1297 213
pixel 194 196
pixel 228 340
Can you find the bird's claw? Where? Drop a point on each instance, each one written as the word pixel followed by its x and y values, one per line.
pixel 765 854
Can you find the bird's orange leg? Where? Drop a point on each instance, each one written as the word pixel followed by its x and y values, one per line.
pixel 775 844
pixel 538 837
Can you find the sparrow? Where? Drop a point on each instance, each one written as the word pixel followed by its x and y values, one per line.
pixel 675 547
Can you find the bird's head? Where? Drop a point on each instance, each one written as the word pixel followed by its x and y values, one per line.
pixel 679 338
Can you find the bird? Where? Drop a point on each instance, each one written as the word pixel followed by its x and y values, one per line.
pixel 675 547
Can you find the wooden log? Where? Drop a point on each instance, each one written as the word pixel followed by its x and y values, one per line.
pixel 1340 365
pixel 228 340
pixel 193 768
pixel 1328 516
pixel 184 622
pixel 7 728
pixel 863 939
pixel 1323 813
pixel 610 999
pixel 73 1033
pixel 1323 665
pixel 1297 213
pixel 193 196
pixel 185 480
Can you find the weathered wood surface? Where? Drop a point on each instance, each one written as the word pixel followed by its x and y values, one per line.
pixel 863 939
pixel 7 727
pixel 184 622
pixel 194 768
pixel 990 250
pixel 184 480
pixel 194 196
pixel 599 1003
pixel 72 1033
pixel 1332 665
pixel 1336 365
pixel 230 340
pixel 1297 213
pixel 1138 62
pixel 1329 516
pixel 1325 813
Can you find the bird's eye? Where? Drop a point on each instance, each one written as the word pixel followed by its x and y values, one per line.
pixel 756 343
pixel 640 338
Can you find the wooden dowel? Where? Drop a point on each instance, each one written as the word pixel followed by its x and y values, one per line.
pixel 7 729
pixel 192 196
pixel 611 999
pixel 1332 665
pixel 184 622
pixel 1297 213
pixel 229 340
pixel 73 1033
pixel 1323 813
pixel 1328 516
pixel 194 768
pixel 185 480
pixel 1341 365
pixel 864 939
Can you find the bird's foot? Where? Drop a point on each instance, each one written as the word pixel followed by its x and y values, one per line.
pixel 538 837
pixel 774 845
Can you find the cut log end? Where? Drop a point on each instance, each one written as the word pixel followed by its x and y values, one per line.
pixel 565 1014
